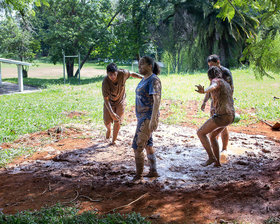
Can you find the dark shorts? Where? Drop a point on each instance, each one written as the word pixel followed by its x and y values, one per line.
pixel 223 120
pixel 143 137
pixel 118 109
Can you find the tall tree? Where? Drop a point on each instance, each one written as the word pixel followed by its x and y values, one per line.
pixel 17 42
pixel 263 50
pixel 73 26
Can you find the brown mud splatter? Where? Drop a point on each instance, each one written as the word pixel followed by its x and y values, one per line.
pixel 77 158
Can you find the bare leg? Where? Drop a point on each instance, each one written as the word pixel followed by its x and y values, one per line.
pixel 215 144
pixel 225 138
pixel 115 131
pixel 202 132
pixel 152 162
pixel 108 132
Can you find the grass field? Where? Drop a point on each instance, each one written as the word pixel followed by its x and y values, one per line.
pixel 41 110
pixel 28 113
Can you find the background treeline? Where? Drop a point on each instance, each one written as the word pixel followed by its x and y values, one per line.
pixel 180 33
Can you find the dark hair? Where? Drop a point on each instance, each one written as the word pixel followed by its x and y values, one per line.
pixel 213 58
pixel 112 67
pixel 214 72
pixel 155 66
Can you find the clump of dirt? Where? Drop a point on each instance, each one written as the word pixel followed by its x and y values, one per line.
pixel 78 166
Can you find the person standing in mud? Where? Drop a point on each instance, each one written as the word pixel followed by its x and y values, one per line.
pixel 213 60
pixel 148 96
pixel 223 114
pixel 113 90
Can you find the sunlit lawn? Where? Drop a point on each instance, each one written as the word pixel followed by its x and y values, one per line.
pixel 27 113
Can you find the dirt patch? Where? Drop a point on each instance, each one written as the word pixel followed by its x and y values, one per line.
pixel 77 166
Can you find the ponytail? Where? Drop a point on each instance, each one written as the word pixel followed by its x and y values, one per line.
pixel 150 61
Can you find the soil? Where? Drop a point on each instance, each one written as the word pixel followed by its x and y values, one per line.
pixel 75 165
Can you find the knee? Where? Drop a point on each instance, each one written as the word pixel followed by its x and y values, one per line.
pixel 138 153
pixel 200 133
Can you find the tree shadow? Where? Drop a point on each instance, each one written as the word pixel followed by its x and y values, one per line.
pixel 44 83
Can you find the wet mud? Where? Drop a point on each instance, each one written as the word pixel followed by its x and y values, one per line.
pixel 76 165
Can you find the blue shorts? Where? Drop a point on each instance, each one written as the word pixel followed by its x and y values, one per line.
pixel 142 137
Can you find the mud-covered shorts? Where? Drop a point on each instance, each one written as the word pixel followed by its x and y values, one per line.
pixel 118 109
pixel 223 120
pixel 143 136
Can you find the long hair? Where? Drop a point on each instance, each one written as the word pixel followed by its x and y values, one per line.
pixel 151 61
pixel 214 72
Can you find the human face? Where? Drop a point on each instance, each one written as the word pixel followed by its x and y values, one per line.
pixel 211 63
pixel 144 68
pixel 112 76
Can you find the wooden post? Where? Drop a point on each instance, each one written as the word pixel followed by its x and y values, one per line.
pixel 20 78
pixel 79 62
pixel 63 66
pixel 0 76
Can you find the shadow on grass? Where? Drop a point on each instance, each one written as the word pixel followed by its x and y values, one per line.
pixel 44 83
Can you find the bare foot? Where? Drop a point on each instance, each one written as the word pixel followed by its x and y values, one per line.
pixel 208 162
pixel 217 164
pixel 108 133
pixel 152 174
pixel 137 179
pixel 112 144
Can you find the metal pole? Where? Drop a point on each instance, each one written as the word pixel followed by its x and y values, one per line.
pixel 79 59
pixel 20 78
pixel 63 66
pixel 0 76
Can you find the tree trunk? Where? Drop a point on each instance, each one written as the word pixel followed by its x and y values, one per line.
pixel 70 68
pixel 92 46
pixel 24 72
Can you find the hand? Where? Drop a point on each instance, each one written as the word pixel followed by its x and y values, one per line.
pixel 115 117
pixel 203 106
pixel 153 125
pixel 200 88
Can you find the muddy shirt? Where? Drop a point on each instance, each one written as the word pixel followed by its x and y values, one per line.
pixel 144 96
pixel 222 98
pixel 115 91
pixel 227 76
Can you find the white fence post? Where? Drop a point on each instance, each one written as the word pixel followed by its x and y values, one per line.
pixel 20 79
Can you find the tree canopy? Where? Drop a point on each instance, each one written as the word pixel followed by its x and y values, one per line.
pixel 182 33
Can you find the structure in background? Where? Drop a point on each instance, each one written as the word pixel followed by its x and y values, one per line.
pixel 79 64
pixel 19 65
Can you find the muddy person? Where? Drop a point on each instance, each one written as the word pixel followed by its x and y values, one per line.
pixel 214 60
pixel 113 90
pixel 223 114
pixel 148 96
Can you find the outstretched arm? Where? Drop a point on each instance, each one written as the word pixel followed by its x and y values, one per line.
pixel 136 75
pixel 113 115
pixel 200 89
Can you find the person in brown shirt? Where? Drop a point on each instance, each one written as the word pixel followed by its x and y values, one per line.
pixel 113 90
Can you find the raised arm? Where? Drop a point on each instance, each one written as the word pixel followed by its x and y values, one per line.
pixel 200 89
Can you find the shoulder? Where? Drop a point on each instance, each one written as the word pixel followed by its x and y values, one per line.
pixel 123 72
pixel 155 78
pixel 225 71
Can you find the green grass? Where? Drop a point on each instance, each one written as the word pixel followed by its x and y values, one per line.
pixel 28 113
pixel 68 215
